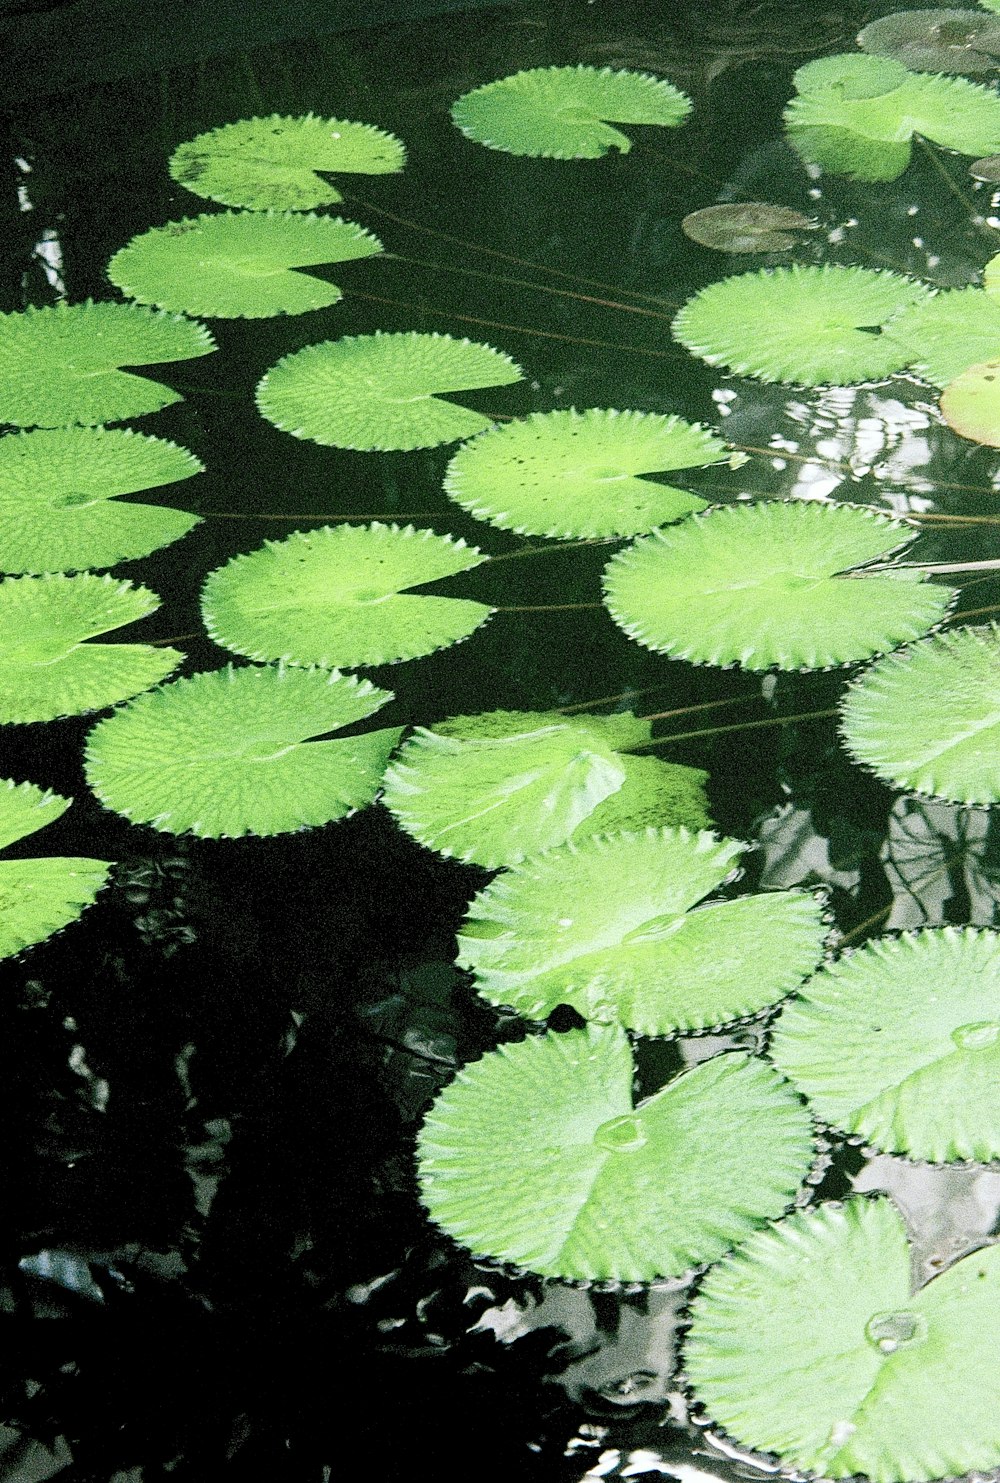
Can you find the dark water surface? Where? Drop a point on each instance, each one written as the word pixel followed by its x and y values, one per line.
pixel 214 1261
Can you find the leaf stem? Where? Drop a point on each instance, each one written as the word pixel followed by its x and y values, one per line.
pixel 541 288
pixel 659 741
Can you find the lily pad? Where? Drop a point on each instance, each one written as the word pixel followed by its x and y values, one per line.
pixel 761 586
pixel 971 403
pixel 608 928
pixel 570 473
pixel 561 112
pixel 942 337
pixel 928 718
pixel 377 392
pixel 46 667
pixel 335 597
pixel 899 1042
pixel 58 365
pixel 236 264
pixel 271 163
pixel 583 1184
pixel 56 489
pixel 801 324
pixel 229 752
pixel 746 226
pixel 809 1343
pixel 39 896
pixel 493 788
pixel 936 40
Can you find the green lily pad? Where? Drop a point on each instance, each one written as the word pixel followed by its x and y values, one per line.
pixel 801 324
pixel 943 336
pixel 928 719
pixel 900 1043
pixel 971 403
pixel 271 163
pixel 608 928
pixel 237 264
pixel 39 896
pixel 810 1344
pixel 560 112
pixel 758 586
pixel 229 752
pixel 59 365
pixel 46 667
pixel 570 473
pixel 936 40
pixel 493 788
pixel 746 226
pixel 582 1184
pixel 378 392
pixel 56 493
pixel 335 597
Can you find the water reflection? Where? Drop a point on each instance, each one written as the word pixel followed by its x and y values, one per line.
pixel 943 864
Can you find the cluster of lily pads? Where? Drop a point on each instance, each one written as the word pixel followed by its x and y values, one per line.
pixel 612 894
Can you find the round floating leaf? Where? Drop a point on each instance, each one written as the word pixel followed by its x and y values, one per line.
pixel 941 338
pixel 377 392
pixel 38 897
pixel 900 1043
pixel 559 111
pixel 809 1343
pixel 59 365
pixel 986 169
pixel 928 719
pixel 536 1155
pixel 607 928
pixel 55 491
pixel 227 752
pixel 758 585
pixel 46 667
pixel 572 473
pixel 236 264
pixel 654 795
pixel 936 40
pixel 810 325
pixel 332 597
pixel 746 226
pixel 971 403
pixel 272 162
pixel 495 787
pixel 851 75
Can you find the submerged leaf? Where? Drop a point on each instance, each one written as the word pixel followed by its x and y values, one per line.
pixel 559 112
pixel 899 1042
pixel 761 586
pixel 59 365
pixel 570 473
pixel 377 392
pixel 56 488
pixel 237 264
pixel 582 1184
pixel 745 226
pixel 332 597
pixel 942 337
pixel 46 667
pixel 271 162
pixel 229 752
pixel 971 403
pixel 928 719
pixel 801 324
pixel 38 897
pixel 608 928
pixel 809 1343
pixel 936 40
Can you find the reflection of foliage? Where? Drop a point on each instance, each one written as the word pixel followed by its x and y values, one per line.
pixel 943 863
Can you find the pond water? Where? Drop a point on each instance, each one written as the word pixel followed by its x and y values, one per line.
pixel 215 1261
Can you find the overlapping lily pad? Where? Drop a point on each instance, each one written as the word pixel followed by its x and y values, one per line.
pixel 801 324
pixel 612 927
pixel 746 226
pixel 583 1184
pixel 271 163
pixel 900 1043
pixel 946 334
pixel 57 488
pixel 760 586
pixel 39 896
pixel 971 403
pixel 239 264
pixel 563 112
pixel 379 392
pixel 809 1343
pixel 936 40
pixel 570 473
pixel 47 668
pixel 493 788
pixel 59 365
pixel 230 752
pixel 928 719
pixel 335 597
